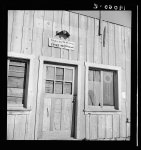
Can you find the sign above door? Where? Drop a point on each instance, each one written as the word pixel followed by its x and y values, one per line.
pixel 61 44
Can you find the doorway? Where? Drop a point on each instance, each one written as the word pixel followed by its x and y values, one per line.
pixel 57 105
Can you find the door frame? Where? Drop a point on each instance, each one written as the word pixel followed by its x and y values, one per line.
pixel 76 64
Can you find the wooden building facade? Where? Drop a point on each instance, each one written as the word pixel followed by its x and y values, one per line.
pixel 80 92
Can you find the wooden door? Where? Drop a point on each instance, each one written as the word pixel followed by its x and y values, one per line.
pixel 56 109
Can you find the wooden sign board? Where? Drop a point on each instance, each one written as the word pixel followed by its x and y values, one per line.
pixel 61 44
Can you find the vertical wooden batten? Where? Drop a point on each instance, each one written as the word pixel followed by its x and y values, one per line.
pixel 37 33
pixel 97 43
pixel 47 33
pixel 105 43
pixel 10 27
pixel 27 32
pixel 17 31
pixel 90 40
pixel 56 52
pixel 74 35
pixel 65 26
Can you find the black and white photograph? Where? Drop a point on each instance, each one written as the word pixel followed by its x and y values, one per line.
pixel 69 74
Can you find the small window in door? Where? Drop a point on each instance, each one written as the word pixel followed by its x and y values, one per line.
pixel 59 80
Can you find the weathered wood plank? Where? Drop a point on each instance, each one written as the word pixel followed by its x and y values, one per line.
pixel 15 82
pixel 16 69
pixel 65 26
pixel 111 44
pixel 109 129
pixel 57 115
pixel 17 31
pixel 37 32
pixel 15 74
pixel 56 52
pixel 14 100
pixel 118 49
pixel 19 130
pixel 128 75
pixel 101 126
pixel 90 40
pixel 15 92
pixel 47 33
pixel 10 27
pixel 27 32
pixel 10 127
pixel 17 63
pixel 87 126
pixel 116 126
pixel 82 37
pixel 105 43
pixel 66 114
pixel 46 114
pixel 74 34
pixel 93 127
pixel 97 43
pixel 123 87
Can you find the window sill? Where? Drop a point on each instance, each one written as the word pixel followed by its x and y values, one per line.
pixel 101 111
pixel 17 110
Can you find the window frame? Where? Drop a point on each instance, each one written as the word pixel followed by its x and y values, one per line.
pixel 118 87
pixel 63 81
pixel 28 85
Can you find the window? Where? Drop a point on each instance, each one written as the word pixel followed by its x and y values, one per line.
pixel 59 79
pixel 102 87
pixel 17 77
pixel 18 74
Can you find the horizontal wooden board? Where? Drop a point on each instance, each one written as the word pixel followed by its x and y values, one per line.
pixel 15 92
pixel 15 82
pixel 17 69
pixel 17 63
pixel 14 100
pixel 15 74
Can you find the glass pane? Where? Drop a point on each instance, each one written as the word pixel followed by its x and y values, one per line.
pixel 68 74
pixel 94 87
pixel 50 72
pixel 49 87
pixel 59 73
pixel 108 97
pixel 67 88
pixel 58 87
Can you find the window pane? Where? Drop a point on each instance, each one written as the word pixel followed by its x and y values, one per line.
pixel 68 74
pixel 59 73
pixel 50 72
pixel 58 87
pixel 67 88
pixel 108 97
pixel 94 87
pixel 49 87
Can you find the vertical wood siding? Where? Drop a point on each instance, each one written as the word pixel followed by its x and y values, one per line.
pixel 28 33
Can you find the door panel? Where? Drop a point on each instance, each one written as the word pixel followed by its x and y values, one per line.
pixel 57 107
